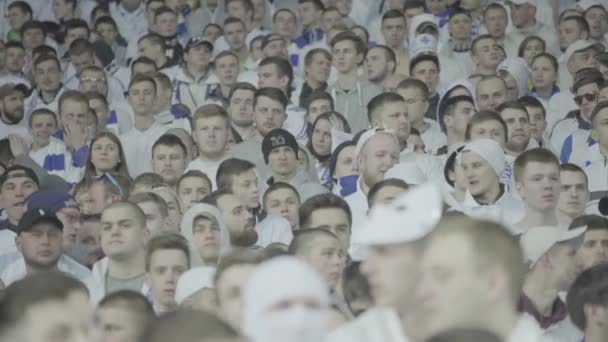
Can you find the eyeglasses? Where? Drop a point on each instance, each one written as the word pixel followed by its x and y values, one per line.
pixel 590 97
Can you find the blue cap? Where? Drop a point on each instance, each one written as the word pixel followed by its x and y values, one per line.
pixel 51 200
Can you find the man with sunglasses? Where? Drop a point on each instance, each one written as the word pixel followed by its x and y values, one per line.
pixel 571 136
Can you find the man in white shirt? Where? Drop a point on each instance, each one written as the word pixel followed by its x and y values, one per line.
pixel 153 46
pixel 517 120
pixel 483 163
pixel 169 158
pixel 130 18
pixel 269 106
pixel 572 135
pixel 597 170
pixel 416 96
pixel 456 113
pixel 491 92
pixel 47 74
pixel 544 248
pixel 376 152
pixel 571 29
pixel 485 55
pixel 13 64
pixel 393 252
pixel 523 17
pixel 40 244
pixel 137 142
pixel 211 126
pixel 536 174
pixel 192 76
pixel 574 193
pixel 455 291
pixel 123 239
pixel 166 114
pixel 380 64
pixel 276 72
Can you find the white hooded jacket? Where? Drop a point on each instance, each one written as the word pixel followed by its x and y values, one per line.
pixel 185 229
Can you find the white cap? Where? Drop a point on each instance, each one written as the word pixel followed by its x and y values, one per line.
pixel 584 5
pixel 368 135
pixel 490 151
pixel 523 2
pixel 407 172
pixel 423 43
pixel 408 218
pixel 193 280
pixel 577 46
pixel 538 240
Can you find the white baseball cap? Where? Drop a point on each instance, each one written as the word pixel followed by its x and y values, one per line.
pixel 584 5
pixel 410 217
pixel 193 280
pixel 408 172
pixel 538 240
pixel 577 46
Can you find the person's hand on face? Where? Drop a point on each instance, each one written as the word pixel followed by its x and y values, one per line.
pixel 75 135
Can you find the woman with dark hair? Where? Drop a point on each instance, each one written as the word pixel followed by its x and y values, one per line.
pixel 320 138
pixel 531 47
pixel 105 155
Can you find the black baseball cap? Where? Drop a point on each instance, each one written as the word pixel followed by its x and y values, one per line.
pixel 196 41
pixel 35 216
pixel 19 171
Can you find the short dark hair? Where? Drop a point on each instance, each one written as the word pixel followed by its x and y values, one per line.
pixel 347 35
pixel 374 190
pixel 588 288
pixel 33 25
pixel 381 100
pixel 389 54
pixel 587 76
pixel 194 174
pixel 477 40
pixel 81 46
pixel 581 23
pixel 393 14
pixel 494 6
pixel 73 24
pixel 22 295
pixel 539 155
pixel 283 67
pixel 312 53
pixel 46 58
pixel 162 10
pixel 23 6
pixel 355 285
pixel 409 83
pixel 154 38
pixel 166 241
pixel 531 101
pixel 318 95
pixel 142 60
pixel 485 116
pixel 512 105
pixel 304 238
pixel 274 94
pixel 133 302
pixel 43 111
pixel 323 201
pixel 230 168
pixel 548 56
pixel 241 86
pixel 234 258
pixel 278 186
pixel 170 140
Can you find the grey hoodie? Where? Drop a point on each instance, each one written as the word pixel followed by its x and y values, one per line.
pixel 213 214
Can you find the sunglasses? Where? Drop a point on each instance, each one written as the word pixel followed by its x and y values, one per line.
pixel 590 97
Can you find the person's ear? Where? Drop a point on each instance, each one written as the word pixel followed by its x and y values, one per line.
pixel 520 188
pixel 594 134
pixel 448 121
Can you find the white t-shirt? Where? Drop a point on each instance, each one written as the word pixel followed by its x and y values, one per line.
pixel 208 167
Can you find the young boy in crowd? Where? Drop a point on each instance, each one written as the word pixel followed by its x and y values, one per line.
pixel 211 125
pixel 167 258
